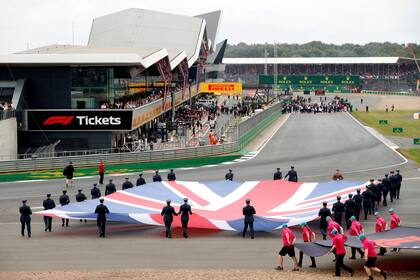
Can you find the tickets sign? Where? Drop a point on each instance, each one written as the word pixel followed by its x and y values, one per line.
pixel 221 87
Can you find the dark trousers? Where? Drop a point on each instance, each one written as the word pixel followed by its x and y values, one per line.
pixel 251 228
pixel 48 223
pixel 66 221
pixel 347 217
pixel 101 178
pixel 373 205
pixel 301 259
pixel 367 208
pixel 353 252
pixel 338 218
pixel 26 222
pixel 397 191
pixel 324 231
pixel 101 227
pixel 339 263
pixel 384 195
pixel 168 232
pixel 184 227
pixel 357 213
pixel 392 194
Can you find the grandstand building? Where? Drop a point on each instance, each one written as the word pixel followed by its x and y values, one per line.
pixel 136 68
pixel 375 73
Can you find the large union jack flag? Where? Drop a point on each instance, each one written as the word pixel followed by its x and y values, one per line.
pixel 216 204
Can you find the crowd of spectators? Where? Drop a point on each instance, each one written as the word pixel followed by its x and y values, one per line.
pixel 130 102
pixel 6 106
pixel 308 105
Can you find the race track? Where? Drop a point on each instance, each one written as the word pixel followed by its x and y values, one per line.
pixel 315 144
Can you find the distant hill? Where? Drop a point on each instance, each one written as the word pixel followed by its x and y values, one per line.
pixel 319 49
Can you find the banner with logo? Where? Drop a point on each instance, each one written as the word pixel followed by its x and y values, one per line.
pixel 79 120
pixel 221 88
pixel 309 80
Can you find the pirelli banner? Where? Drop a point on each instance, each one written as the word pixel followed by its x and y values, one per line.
pixel 309 80
pixel 221 88
pixel 79 120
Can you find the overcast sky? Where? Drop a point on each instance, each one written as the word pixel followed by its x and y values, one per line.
pixel 36 23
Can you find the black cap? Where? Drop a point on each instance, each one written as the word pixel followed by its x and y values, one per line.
pixel 358 190
pixel 338 197
pixel 292 167
pixel 95 184
pixel 157 171
pixel 48 194
pixel 185 199
pixel 324 203
pixel 110 180
pixel 79 190
pixel 397 170
pixel 371 180
pixel 64 191
pixel 247 200
pixel 126 178
pixel 350 195
pixel 24 201
pixel 168 201
pixel 141 174
pixel 101 199
pixel 172 170
pixel 230 170
pixel 278 168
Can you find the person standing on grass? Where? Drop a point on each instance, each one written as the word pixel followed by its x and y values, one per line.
pixel 101 170
pixel 288 248
pixel 370 257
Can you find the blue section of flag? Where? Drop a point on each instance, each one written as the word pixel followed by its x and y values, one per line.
pixel 331 187
pixel 222 188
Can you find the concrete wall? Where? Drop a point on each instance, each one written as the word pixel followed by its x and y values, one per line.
pixel 8 139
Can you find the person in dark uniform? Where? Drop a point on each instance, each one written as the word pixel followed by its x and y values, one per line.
pixel 48 204
pixel 156 177
pixel 350 206
pixel 127 184
pixel 229 175
pixel 386 186
pixel 278 175
pixel 101 210
pixel 185 211
pixel 171 176
pixel 292 174
pixel 358 199
pixel 367 202
pixel 398 186
pixel 79 198
pixel 338 210
pixel 323 213
pixel 168 212
pixel 110 188
pixel 380 188
pixel 393 189
pixel 64 200
pixel 248 211
pixel 375 190
pixel 140 180
pixel 95 192
pixel 25 218
pixel 68 172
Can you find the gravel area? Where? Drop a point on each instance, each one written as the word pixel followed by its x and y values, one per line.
pixel 196 274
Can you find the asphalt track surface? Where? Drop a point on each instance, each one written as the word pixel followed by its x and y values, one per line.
pixel 314 144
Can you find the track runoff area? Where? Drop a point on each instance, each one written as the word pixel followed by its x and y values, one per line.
pixel 315 144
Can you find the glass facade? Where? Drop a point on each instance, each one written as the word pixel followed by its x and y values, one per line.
pixel 92 87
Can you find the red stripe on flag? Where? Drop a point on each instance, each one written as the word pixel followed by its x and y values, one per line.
pixel 122 197
pixel 188 193
pixel 196 221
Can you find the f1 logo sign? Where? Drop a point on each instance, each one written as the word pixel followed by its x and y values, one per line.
pixel 64 120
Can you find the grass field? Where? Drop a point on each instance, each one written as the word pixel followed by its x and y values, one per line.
pixel 118 168
pixel 403 118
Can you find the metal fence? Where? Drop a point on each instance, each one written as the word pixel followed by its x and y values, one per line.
pixel 245 132
pixel 7 114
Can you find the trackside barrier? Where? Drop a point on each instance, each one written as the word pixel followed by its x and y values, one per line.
pixel 246 130
pixel 391 92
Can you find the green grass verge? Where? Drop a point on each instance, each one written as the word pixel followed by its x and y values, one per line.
pixel 119 168
pixel 400 118
pixel 413 154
